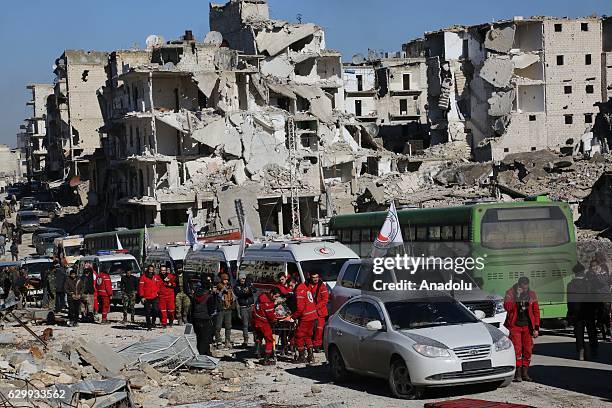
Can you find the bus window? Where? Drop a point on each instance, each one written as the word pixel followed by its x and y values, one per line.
pixel 345 236
pixel 365 235
pixel 433 233
pixel 409 233
pixel 421 234
pixel 355 238
pixel 446 233
pixel 466 233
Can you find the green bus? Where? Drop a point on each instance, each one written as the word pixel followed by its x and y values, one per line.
pixel 133 239
pixel 533 238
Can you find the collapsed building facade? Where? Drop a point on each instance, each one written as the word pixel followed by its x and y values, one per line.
pixel 515 86
pixel 35 130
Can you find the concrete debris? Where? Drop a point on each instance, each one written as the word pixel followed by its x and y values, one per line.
pixel 500 103
pixel 7 338
pixel 25 369
pixel 500 39
pixel 272 42
pixel 198 380
pixel 100 356
pixel 522 61
pixel 497 70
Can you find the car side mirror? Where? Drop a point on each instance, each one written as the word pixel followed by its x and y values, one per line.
pixel 479 314
pixel 374 325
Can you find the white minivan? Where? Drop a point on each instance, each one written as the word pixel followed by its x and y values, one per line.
pixel 211 259
pixel 172 256
pixel 112 262
pixel 297 258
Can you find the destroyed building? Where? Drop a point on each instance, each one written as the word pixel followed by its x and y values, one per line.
pixel 508 81
pixel 35 130
pixel 73 113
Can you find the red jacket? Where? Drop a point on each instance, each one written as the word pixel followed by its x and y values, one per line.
pixel 263 312
pixel 167 286
pixel 320 298
pixel 533 310
pixel 284 290
pixel 306 307
pixel 148 288
pixel 103 285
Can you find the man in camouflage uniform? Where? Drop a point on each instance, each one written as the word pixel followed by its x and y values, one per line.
pixel 129 288
pixel 183 291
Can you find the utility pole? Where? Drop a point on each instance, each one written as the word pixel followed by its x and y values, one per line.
pixel 296 228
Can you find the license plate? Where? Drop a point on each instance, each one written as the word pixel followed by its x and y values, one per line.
pixel 475 365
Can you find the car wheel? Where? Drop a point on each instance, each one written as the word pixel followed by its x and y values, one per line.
pixel 399 382
pixel 336 365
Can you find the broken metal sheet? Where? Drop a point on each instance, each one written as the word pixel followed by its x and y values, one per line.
pixel 522 61
pixel 206 81
pixel 169 352
pixel 273 42
pixel 500 39
pixel 500 103
pixel 497 71
pixel 90 387
pixel 282 90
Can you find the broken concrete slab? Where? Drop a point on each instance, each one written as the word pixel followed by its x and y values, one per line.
pixel 25 369
pixel 206 81
pixel 151 372
pixel 273 42
pixel 497 71
pixel 100 356
pixel 522 61
pixel 500 103
pixel 7 338
pixel 500 39
pixel 200 380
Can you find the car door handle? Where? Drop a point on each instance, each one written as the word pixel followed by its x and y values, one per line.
pixel 338 333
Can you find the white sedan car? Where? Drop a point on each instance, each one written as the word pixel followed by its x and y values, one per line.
pixel 424 341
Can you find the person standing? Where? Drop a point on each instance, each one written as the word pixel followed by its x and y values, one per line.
pixel 202 314
pixel 104 288
pixel 244 295
pixel 2 244
pixel 183 291
pixel 86 287
pixel 281 283
pixel 60 294
pixel 320 294
pixel 601 282
pixel 225 306
pixel 74 298
pixel 306 314
pixel 148 289
pixel 166 296
pixel 129 287
pixel 14 251
pixel 50 284
pixel 581 312
pixel 263 316
pixel 523 322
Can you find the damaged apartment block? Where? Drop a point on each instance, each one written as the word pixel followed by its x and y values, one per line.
pixel 195 124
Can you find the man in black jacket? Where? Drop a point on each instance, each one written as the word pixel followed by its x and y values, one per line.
pixel 203 310
pixel 581 312
pixel 243 290
pixel 60 293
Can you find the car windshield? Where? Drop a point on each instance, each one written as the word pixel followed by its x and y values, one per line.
pixel 37 267
pixel 427 313
pixel 119 266
pixel 72 250
pixel 328 269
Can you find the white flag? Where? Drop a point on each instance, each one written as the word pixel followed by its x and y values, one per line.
pixel 119 246
pixel 190 233
pixel 390 234
pixel 246 237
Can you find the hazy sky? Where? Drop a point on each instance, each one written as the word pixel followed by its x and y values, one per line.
pixel 35 32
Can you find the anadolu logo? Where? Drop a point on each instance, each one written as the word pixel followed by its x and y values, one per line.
pixel 388 232
pixel 325 251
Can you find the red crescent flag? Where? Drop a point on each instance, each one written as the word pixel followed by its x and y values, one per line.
pixel 390 234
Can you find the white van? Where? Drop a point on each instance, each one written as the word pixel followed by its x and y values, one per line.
pixel 172 256
pixel 112 262
pixel 297 258
pixel 211 259
pixel 68 249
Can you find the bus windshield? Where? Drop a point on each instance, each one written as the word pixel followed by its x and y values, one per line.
pixel 536 227
pixel 328 269
pixel 72 250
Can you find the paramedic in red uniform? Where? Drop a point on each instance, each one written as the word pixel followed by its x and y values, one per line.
pixel 320 294
pixel 104 291
pixel 282 284
pixel 166 296
pixel 148 289
pixel 262 316
pixel 306 315
pixel 523 322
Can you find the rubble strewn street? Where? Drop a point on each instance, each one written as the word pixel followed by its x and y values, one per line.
pixel 198 221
